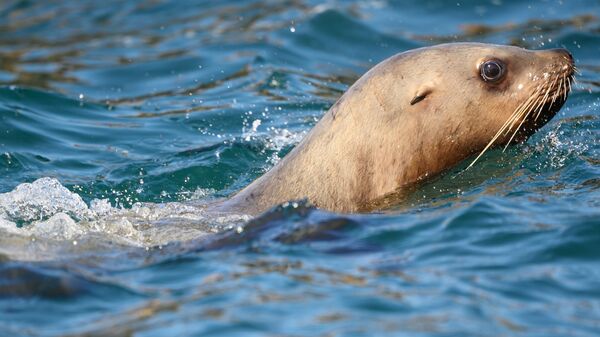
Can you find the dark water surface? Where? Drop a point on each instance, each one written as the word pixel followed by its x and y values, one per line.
pixel 176 102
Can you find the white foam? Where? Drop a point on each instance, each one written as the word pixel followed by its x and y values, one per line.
pixel 46 211
pixel 559 149
pixel 40 200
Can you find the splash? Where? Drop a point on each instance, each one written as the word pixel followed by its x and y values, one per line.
pixel 558 149
pixel 46 211
pixel 41 200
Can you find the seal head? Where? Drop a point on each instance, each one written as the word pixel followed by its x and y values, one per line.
pixel 412 116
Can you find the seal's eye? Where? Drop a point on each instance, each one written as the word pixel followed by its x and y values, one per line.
pixel 492 71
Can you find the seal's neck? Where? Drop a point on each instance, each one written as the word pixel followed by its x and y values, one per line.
pixel 337 166
pixel 319 169
pixel 363 149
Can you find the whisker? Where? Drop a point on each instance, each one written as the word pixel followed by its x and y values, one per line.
pixel 545 99
pixel 533 105
pixel 521 109
pixel 516 115
pixel 556 93
pixel 506 124
pixel 537 106
pixel 489 144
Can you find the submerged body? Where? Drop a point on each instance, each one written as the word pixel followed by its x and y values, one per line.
pixel 412 116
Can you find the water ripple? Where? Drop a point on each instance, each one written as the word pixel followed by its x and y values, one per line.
pixel 137 115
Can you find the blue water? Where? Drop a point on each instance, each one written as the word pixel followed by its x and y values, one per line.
pixel 174 102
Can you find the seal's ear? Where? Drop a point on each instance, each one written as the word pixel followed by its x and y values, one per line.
pixel 420 95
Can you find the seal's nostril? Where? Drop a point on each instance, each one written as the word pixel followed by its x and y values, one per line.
pixel 563 52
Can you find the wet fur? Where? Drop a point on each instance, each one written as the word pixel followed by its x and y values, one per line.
pixel 377 138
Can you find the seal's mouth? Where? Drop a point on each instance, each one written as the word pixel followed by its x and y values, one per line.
pixel 545 101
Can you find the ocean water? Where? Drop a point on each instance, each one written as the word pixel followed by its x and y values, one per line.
pixel 121 120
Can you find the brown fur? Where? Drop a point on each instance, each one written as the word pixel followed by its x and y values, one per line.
pixel 373 143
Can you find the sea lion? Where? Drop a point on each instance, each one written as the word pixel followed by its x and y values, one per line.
pixel 412 116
